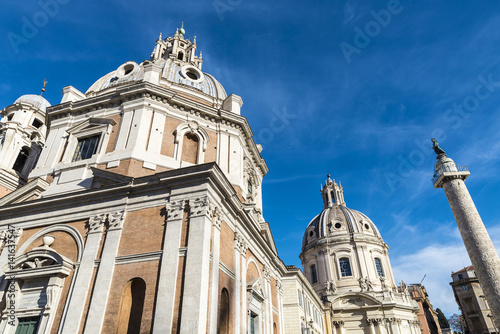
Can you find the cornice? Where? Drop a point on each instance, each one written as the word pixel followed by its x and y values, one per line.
pixel 148 91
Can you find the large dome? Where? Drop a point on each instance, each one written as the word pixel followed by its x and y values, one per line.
pixel 178 66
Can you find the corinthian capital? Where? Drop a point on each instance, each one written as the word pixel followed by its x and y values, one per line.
pixel 96 223
pixel 116 219
pixel 200 206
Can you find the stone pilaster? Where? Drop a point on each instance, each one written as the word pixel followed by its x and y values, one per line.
pixel 104 278
pixel 269 300
pixel 243 264
pixel 169 263
pixel 279 288
pixel 481 251
pixel 214 289
pixel 195 296
pixel 83 277
pixel 237 280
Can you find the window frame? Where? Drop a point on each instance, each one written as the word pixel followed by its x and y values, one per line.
pixel 340 266
pixel 92 127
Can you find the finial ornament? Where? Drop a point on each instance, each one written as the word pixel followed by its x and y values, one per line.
pixel 44 84
pixel 435 146
pixel 181 30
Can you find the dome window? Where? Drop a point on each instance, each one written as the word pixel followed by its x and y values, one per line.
pixel 311 234
pixel 192 73
pixel 367 226
pixel 338 225
pixel 378 265
pixel 345 267
pixel 126 69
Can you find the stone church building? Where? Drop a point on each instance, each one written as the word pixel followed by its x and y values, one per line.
pixel 136 207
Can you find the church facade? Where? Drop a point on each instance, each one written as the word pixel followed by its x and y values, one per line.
pixel 136 207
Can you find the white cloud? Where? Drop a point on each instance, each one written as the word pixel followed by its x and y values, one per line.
pixel 438 261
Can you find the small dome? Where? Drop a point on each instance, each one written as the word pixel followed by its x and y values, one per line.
pixel 36 100
pixel 337 220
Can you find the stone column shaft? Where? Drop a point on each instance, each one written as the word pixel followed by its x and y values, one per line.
pixel 481 251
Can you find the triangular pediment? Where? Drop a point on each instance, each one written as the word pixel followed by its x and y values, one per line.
pixel 30 191
pixel 91 123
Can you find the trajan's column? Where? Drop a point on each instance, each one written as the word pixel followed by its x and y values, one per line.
pixel 481 251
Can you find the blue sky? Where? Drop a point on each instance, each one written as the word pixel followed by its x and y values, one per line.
pixel 364 85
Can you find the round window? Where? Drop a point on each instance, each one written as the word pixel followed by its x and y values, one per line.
pixel 192 73
pixel 367 226
pixel 338 225
pixel 126 69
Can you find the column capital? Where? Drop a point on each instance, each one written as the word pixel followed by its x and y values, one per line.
pixel 267 273
pixel 200 206
pixel 116 219
pixel 174 209
pixel 218 217
pixel 96 223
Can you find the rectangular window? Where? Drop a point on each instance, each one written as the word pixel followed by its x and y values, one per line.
pixel 378 264
pixel 345 267
pixel 464 288
pixel 27 325
pixel 86 148
pixel 460 276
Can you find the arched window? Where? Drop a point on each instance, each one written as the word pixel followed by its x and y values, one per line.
pixel 224 312
pixel 131 306
pixel 180 56
pixel 21 160
pixel 332 195
pixel 190 148
pixel 378 265
pixel 314 275
pixel 345 267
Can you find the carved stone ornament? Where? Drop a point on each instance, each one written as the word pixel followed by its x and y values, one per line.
pixel 200 206
pixel 175 209
pixel 116 219
pixel 330 287
pixel 37 262
pixel 267 273
pixel 193 126
pixel 218 217
pixel 96 223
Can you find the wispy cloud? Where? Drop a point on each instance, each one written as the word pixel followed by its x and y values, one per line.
pixel 437 261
